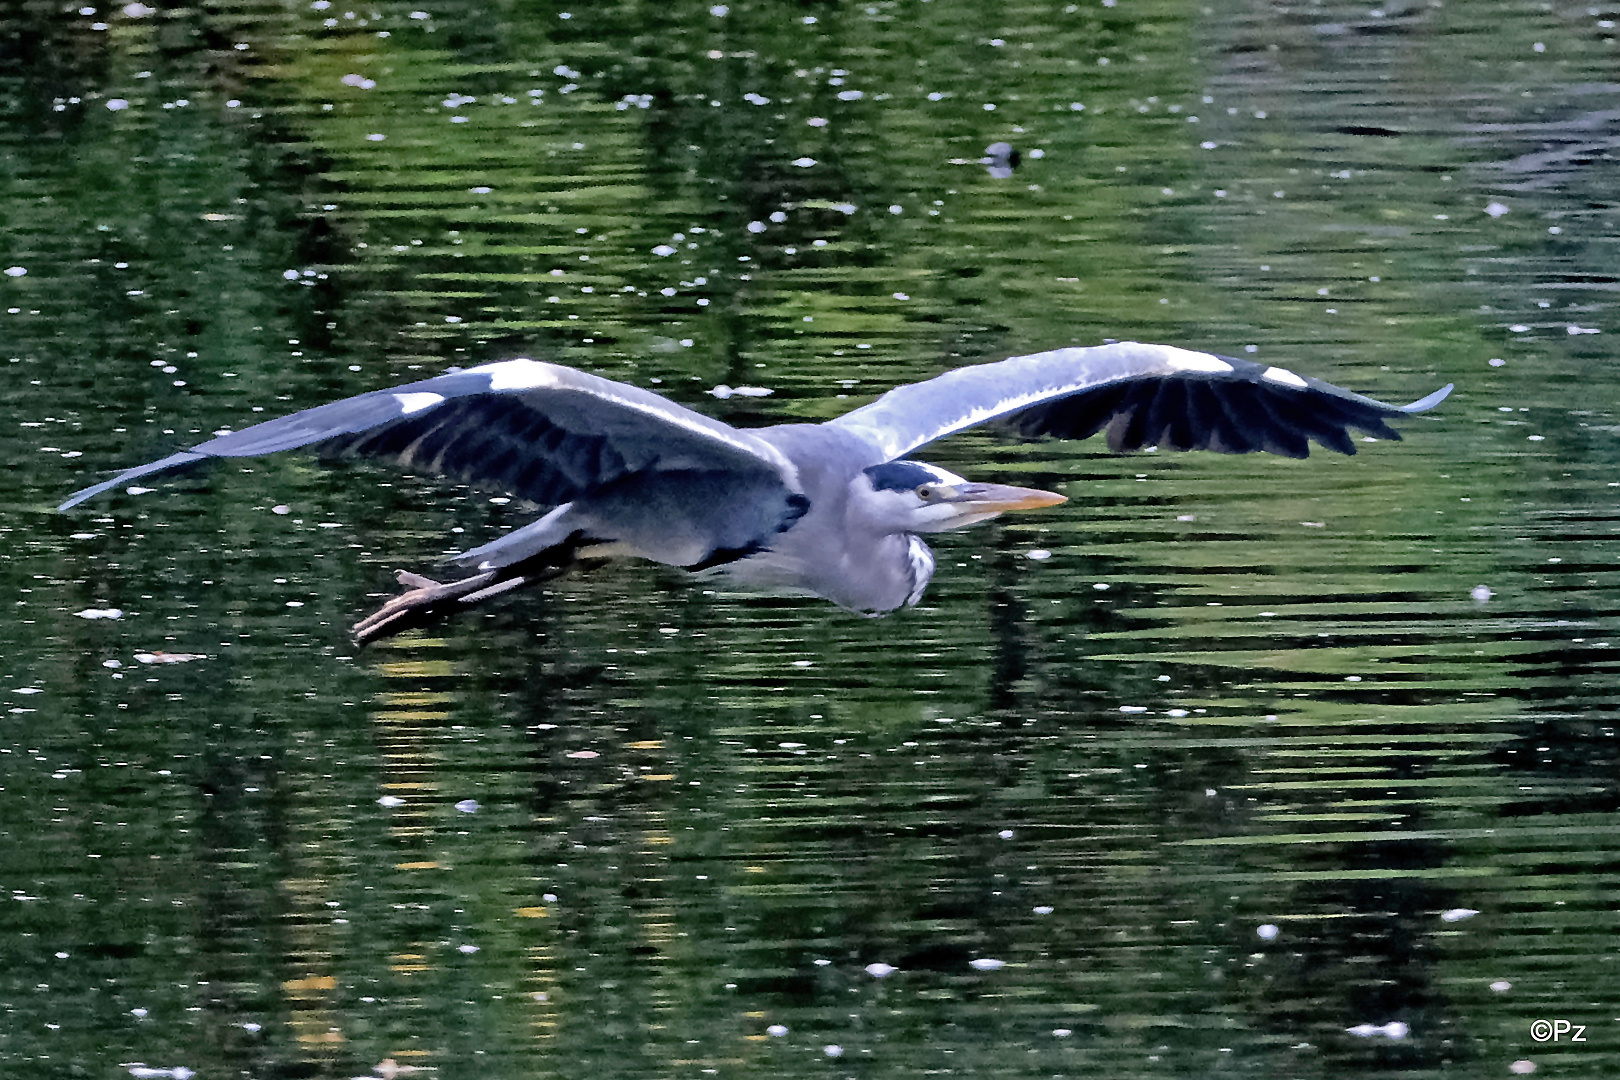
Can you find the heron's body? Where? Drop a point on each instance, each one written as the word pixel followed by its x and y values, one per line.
pixel 835 550
pixel 833 509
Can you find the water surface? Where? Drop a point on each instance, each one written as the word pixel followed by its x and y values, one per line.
pixel 1228 766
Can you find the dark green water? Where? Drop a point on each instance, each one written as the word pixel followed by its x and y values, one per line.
pixel 1272 768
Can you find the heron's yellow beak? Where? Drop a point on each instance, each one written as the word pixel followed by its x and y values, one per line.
pixel 999 498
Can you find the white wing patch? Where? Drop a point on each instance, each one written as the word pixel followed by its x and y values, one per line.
pixel 518 375
pixel 1187 360
pixel 416 402
pixel 1283 377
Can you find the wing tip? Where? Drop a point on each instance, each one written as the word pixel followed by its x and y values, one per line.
pixel 1426 403
pixel 184 457
pixel 80 496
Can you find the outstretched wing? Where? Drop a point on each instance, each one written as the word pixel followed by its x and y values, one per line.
pixel 1142 395
pixel 540 431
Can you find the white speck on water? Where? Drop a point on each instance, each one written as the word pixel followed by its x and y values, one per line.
pixel 1522 1067
pixel 1394 1030
pixel 880 970
pixel 663 251
pixel 466 950
pixel 583 755
pixel 1133 709
pixel 1501 986
pixel 468 806
pixel 117 104
pixel 1496 209
pixel 1266 931
pixel 390 802
pixel 376 136
pixel 1457 914
pixel 282 508
pixel 1038 554
pixel 16 271
pixel 1044 909
pixel 804 162
pixel 1481 593
pixel 1005 834
pixel 831 1049
pixel 986 963
pixel 777 1030
pixel 100 613
pixel 1062 1033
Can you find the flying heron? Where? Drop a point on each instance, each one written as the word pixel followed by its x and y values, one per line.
pixel 833 509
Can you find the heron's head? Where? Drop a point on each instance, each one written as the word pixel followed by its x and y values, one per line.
pixel 915 497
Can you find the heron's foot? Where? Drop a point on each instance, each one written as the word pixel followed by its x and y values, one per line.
pixel 425 600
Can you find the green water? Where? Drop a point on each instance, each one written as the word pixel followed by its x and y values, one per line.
pixel 1266 759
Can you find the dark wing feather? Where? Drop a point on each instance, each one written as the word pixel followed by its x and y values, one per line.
pixel 540 431
pixel 1143 395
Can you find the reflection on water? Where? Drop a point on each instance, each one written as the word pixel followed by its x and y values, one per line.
pixel 1231 763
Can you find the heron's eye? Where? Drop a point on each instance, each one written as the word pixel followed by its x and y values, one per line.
pixel 925 493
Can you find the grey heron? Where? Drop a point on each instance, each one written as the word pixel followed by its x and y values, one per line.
pixel 833 509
